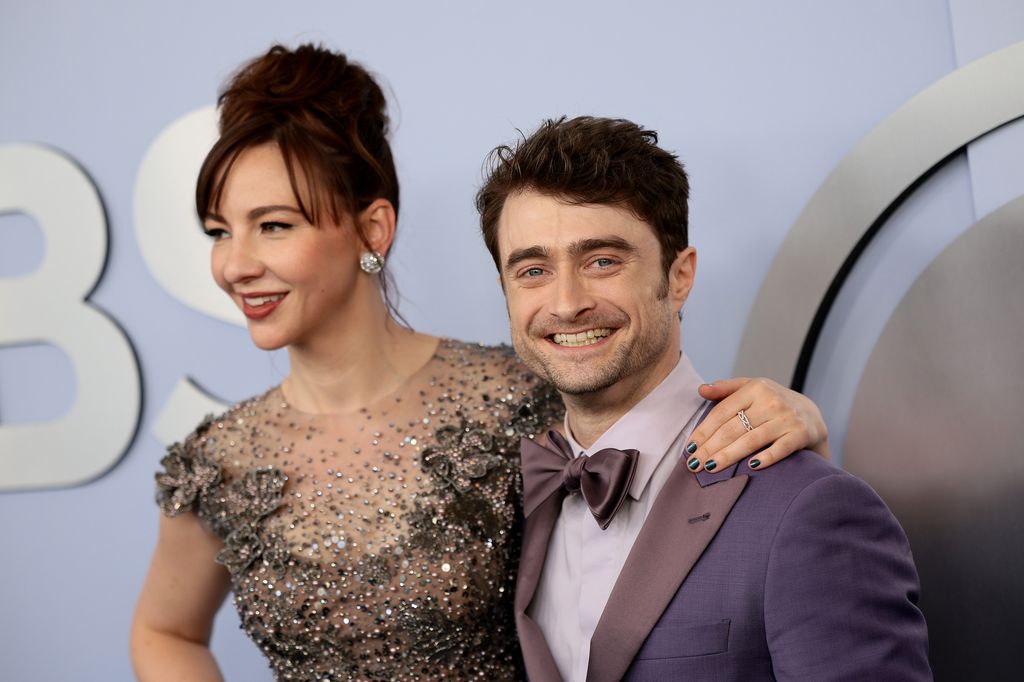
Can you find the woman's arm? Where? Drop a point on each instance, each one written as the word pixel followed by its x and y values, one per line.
pixel 782 420
pixel 174 616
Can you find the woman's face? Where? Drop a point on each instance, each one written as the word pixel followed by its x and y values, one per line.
pixel 296 282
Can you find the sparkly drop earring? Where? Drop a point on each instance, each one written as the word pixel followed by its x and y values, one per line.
pixel 371 262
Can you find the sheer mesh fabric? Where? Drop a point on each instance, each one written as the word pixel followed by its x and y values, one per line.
pixel 376 545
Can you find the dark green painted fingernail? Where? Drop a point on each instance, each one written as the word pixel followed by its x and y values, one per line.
pixel 693 463
pixel 710 465
pixel 691 448
pixel 754 463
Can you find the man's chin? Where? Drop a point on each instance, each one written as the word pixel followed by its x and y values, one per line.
pixel 570 377
pixel 574 382
pixel 579 390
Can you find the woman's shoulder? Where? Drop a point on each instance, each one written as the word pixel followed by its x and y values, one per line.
pixel 238 417
pixel 493 359
pixel 196 465
pixel 530 402
pixel 473 349
pixel 492 364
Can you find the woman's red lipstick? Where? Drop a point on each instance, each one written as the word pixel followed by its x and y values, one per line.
pixel 258 312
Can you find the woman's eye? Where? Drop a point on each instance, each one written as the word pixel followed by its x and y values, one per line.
pixel 215 233
pixel 274 227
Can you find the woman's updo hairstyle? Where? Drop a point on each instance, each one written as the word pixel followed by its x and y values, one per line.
pixel 326 114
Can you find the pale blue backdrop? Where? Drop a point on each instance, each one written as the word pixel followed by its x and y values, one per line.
pixel 761 100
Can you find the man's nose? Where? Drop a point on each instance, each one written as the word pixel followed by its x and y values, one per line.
pixel 572 296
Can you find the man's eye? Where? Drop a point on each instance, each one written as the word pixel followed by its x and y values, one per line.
pixel 533 272
pixel 604 262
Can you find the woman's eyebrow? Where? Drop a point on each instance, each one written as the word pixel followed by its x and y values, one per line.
pixel 255 213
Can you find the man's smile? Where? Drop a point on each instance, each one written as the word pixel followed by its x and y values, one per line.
pixel 583 338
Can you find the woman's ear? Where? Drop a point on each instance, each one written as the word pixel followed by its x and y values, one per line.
pixel 377 224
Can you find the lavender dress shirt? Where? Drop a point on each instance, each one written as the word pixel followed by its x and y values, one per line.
pixel 584 561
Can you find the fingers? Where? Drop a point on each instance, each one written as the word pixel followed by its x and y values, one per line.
pixel 783 422
pixel 729 432
pixel 722 388
pixel 776 452
pixel 732 442
pixel 735 395
pixel 765 445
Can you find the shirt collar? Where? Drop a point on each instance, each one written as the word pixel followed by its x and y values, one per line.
pixel 653 424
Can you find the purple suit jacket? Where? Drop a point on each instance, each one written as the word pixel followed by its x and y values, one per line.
pixel 795 572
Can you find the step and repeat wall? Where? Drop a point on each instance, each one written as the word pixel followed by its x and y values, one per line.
pixel 857 207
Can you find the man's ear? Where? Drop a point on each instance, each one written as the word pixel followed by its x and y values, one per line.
pixel 681 274
pixel 377 224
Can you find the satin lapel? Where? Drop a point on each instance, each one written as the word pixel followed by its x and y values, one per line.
pixel 540 665
pixel 683 520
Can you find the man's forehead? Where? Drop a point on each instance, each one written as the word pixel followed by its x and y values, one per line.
pixel 531 219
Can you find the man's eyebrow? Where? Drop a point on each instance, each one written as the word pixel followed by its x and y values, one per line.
pixel 576 249
pixel 584 246
pixel 519 255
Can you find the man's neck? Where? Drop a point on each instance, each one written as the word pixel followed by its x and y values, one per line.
pixel 590 415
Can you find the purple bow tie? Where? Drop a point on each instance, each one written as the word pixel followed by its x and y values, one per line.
pixel 603 477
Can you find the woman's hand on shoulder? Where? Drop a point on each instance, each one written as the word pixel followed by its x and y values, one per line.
pixel 779 422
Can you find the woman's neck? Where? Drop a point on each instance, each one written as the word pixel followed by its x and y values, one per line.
pixel 356 366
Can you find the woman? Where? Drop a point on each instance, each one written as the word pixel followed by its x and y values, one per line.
pixel 365 511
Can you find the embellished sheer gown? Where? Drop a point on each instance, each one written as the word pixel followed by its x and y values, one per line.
pixel 376 545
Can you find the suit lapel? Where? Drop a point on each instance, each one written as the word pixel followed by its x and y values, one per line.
pixel 684 519
pixel 540 665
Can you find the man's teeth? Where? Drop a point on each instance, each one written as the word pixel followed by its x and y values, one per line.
pixel 257 301
pixel 586 338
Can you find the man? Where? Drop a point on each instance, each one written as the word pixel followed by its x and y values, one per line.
pixel 632 566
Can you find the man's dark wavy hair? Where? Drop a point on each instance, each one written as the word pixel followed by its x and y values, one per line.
pixel 588 160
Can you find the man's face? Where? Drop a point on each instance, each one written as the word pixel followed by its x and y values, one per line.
pixel 589 303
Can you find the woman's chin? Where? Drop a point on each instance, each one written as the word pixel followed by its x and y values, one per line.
pixel 267 341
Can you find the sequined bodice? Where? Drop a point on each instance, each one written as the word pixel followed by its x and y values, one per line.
pixel 378 545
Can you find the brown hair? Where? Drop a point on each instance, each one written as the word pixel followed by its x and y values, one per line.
pixel 588 160
pixel 327 115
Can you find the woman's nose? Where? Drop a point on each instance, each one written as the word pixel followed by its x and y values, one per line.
pixel 240 262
